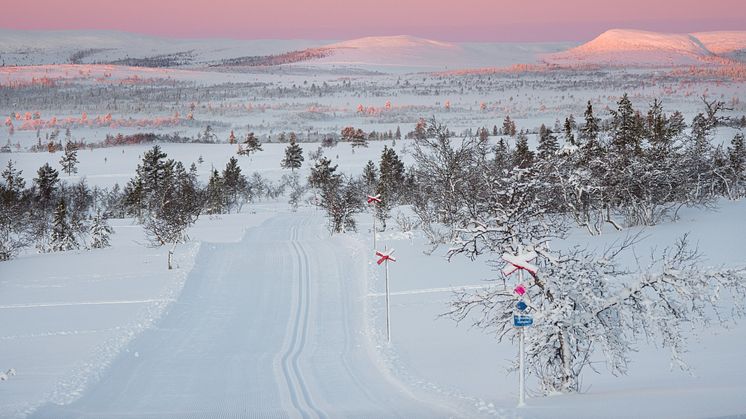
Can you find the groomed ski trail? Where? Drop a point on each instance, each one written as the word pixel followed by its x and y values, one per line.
pixel 271 327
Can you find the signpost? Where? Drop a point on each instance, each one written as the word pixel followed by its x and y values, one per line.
pixel 520 263
pixel 376 200
pixel 385 257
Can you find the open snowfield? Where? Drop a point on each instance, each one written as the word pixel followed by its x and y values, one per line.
pixel 80 326
pixel 265 313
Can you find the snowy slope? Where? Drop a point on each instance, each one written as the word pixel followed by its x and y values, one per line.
pixel 625 47
pixel 398 53
pixel 386 53
pixel 61 47
pixel 730 44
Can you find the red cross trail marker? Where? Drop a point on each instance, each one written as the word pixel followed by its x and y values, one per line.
pixel 376 199
pixel 521 261
pixel 385 256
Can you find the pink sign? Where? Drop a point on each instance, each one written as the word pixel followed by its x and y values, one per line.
pixel 520 289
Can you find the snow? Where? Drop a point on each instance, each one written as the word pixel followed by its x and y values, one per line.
pixel 266 312
pixel 625 47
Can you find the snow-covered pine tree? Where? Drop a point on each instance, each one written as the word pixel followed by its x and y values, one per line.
pixel 293 156
pixel 214 195
pixel 46 185
pixel 370 177
pixel 523 157
pixel 13 212
pixel 69 159
pixel 100 231
pixel 548 145
pixel 234 182
pixel 589 131
pixel 250 145
pixel 63 236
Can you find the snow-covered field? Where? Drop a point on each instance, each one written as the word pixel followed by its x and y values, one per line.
pixel 265 314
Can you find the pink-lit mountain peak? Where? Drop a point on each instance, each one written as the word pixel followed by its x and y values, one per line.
pixel 627 40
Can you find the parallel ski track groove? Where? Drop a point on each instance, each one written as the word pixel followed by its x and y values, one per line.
pixel 290 359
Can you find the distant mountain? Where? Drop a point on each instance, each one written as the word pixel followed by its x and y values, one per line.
pixel 621 47
pixel 383 53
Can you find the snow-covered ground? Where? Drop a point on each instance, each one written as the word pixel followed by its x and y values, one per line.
pixel 86 325
pixel 265 312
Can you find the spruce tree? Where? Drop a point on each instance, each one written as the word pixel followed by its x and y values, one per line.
pixel 293 156
pixel 589 132
pixel 233 183
pixel 523 157
pixel 100 231
pixel 250 145
pixel 569 127
pixel 370 176
pixel 214 199
pixel 69 159
pixel 63 237
pixel 46 185
pixel 547 143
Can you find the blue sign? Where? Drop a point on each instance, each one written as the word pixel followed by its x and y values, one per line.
pixel 521 305
pixel 521 321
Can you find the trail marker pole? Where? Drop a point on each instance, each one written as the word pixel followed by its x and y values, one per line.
pixel 521 360
pixel 520 263
pixel 375 200
pixel 385 257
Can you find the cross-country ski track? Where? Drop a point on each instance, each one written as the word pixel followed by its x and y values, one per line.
pixel 270 327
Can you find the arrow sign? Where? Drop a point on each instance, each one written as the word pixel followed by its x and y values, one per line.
pixel 376 199
pixel 521 261
pixel 385 256
pixel 522 320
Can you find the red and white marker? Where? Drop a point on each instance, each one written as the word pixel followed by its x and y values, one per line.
pixel 520 262
pixel 376 199
pixel 385 256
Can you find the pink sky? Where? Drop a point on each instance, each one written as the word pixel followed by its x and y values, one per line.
pixel 451 20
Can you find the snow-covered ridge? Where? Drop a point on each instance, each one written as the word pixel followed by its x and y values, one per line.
pixel 624 47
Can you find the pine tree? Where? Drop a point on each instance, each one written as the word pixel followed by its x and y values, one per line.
pixel 569 128
pixel 13 184
pixel 250 145
pixel 509 126
pixel 390 183
pixel 589 132
pixel 293 156
pixel 214 199
pixel 154 172
pixel 323 174
pixel 523 157
pixel 100 231
pixel 547 143
pixel 737 157
pixel 62 237
pixel 495 132
pixel 69 159
pixel 484 135
pixel 397 134
pixel 46 184
pixel 233 183
pixel 627 127
pixel 370 176
pixel 232 138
